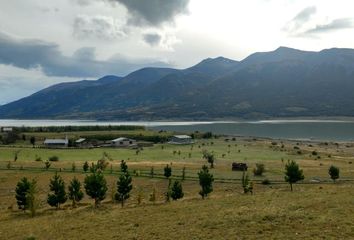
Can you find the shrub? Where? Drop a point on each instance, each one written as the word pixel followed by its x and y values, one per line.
pixel 53 159
pixel 259 170
pixel 85 167
pixel 167 171
pixel 266 182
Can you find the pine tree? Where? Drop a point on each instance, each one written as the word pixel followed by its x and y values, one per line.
pixel 85 167
pixel 75 193
pixel 57 186
pixel 124 184
pixel 176 190
pixel 96 186
pixel 167 171
pixel 206 180
pixel 31 200
pixel 21 191
pixel 293 173
pixel 123 167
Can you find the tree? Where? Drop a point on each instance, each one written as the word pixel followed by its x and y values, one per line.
pixel 176 190
pixel 96 186
pixel 333 171
pixel 85 167
pixel 167 171
pixel 209 157
pixel 183 173
pixel 73 167
pixel 247 185
pixel 75 193
pixel 293 173
pixel 123 166
pixel 152 172
pixel 206 180
pixel 32 202
pixel 57 186
pixel 33 140
pixel 47 164
pixel 124 184
pixel 22 188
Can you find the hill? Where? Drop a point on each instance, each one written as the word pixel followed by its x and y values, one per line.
pixel 281 83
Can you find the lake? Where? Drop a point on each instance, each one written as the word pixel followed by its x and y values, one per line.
pixel 324 130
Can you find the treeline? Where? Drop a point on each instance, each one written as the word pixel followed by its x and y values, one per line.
pixel 77 128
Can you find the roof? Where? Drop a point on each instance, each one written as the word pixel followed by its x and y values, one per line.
pixel 121 139
pixel 56 141
pixel 182 136
pixel 80 140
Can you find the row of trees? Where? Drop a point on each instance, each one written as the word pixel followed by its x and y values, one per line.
pixel 95 186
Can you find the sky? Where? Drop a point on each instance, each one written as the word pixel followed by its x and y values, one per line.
pixel 47 42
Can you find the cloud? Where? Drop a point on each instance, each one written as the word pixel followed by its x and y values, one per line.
pixel 37 54
pixel 153 12
pixel 99 27
pixel 337 24
pixel 153 39
pixel 300 19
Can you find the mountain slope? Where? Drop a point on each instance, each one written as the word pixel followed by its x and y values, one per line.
pixel 281 83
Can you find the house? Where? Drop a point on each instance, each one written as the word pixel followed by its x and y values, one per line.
pixel 123 142
pixel 83 143
pixel 181 139
pixel 56 143
pixel 6 129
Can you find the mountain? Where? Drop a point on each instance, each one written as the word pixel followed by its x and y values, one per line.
pixel 282 83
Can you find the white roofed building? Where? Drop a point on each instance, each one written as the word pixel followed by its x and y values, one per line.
pixel 181 139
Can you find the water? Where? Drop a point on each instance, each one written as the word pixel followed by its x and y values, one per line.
pixel 324 130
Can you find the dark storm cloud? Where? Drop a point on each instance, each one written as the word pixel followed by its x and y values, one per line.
pixel 153 39
pixel 153 12
pixel 300 19
pixel 337 24
pixel 34 54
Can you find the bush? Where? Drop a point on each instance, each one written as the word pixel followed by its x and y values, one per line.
pixel 259 170
pixel 53 159
pixel 266 182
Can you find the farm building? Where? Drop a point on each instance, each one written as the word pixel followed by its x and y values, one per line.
pixel 181 139
pixel 56 143
pixel 6 129
pixel 123 142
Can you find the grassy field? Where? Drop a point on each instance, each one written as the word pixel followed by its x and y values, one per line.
pixel 314 210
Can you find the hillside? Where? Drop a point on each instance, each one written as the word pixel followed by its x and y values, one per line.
pixel 282 83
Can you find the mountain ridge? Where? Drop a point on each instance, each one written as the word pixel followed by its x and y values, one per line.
pixel 285 82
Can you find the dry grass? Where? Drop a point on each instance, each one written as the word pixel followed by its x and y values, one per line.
pixel 312 211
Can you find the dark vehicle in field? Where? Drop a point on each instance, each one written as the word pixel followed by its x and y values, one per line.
pixel 239 166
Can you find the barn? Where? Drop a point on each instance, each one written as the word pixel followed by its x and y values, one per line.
pixel 56 143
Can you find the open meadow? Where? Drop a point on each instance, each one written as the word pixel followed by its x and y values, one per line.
pixel 317 208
